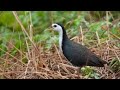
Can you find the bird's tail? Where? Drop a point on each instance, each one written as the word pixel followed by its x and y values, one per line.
pixel 104 62
pixel 98 62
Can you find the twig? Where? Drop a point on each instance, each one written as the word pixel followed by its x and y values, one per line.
pixel 98 39
pixel 107 21
pixel 115 36
pixel 17 49
pixel 68 66
pixel 81 34
pixel 23 29
pixel 26 68
pixel 9 54
pixel 58 53
pixel 116 55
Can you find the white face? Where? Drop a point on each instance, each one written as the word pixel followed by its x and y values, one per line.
pixel 56 27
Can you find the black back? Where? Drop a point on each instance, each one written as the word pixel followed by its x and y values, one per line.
pixel 78 54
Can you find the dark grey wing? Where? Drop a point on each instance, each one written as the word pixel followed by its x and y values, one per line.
pixel 79 55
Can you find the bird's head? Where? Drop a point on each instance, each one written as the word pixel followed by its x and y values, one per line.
pixel 57 27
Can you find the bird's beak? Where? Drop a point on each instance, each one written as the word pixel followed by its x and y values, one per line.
pixel 50 28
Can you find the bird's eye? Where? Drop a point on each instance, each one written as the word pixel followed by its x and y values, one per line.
pixel 55 26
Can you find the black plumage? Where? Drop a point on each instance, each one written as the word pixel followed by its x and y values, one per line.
pixel 78 54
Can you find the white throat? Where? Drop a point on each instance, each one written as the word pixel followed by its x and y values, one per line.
pixel 60 39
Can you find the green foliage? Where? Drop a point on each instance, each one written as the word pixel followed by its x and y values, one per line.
pixel 115 65
pixel 88 72
pixel 25 60
pixel 7 19
pixel 6 36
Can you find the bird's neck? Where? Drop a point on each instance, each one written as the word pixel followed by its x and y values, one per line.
pixel 62 37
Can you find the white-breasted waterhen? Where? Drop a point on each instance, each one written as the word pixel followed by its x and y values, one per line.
pixel 76 53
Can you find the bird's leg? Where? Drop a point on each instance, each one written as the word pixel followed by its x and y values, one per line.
pixel 79 71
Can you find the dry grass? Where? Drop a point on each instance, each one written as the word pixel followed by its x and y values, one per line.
pixel 49 66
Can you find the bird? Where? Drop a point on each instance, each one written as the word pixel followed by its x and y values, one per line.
pixel 78 55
